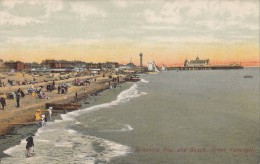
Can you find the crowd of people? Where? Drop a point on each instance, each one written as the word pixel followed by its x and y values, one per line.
pixel 63 88
pixel 15 83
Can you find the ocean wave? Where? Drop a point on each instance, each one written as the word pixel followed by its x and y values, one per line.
pixel 65 145
pixel 144 81
pixel 71 131
pixel 78 123
pixel 43 141
pixel 123 97
pixel 128 128
pixel 124 129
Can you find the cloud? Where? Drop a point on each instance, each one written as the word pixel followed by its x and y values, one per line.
pixel 6 18
pixel 10 4
pixel 126 3
pixel 33 40
pixel 9 16
pixel 132 20
pixel 152 17
pixel 49 5
pixel 161 28
pixel 214 15
pixel 184 39
pixel 84 11
pixel 43 40
pixel 120 3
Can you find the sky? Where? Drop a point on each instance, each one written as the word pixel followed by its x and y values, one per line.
pixel 166 31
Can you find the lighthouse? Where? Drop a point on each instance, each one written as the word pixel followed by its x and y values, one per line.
pixel 141 59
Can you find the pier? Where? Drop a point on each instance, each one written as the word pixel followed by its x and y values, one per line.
pixel 225 67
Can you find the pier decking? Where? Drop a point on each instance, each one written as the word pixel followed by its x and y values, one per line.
pixel 206 68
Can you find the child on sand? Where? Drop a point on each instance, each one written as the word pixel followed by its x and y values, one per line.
pixel 42 120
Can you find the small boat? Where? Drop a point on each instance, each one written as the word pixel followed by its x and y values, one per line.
pixel 133 78
pixel 151 73
pixel 248 76
pixel 152 68
pixel 66 106
pixel 164 68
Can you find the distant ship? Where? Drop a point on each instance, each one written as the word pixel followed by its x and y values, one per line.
pixel 164 68
pixel 248 76
pixel 152 68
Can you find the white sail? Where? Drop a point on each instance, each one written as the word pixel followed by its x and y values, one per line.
pixel 164 68
pixel 152 67
pixel 155 67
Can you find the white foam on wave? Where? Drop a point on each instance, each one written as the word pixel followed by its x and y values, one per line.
pixel 124 129
pixel 123 97
pixel 128 128
pixel 78 123
pixel 144 81
pixel 10 150
pixel 71 131
pixel 65 145
pixel 43 140
pixel 57 121
pixel 44 129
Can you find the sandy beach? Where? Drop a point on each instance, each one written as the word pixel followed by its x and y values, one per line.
pixel 12 116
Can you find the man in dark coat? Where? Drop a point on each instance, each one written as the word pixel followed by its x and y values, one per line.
pixel 18 99
pixel 3 103
pixel 19 91
pixel 29 146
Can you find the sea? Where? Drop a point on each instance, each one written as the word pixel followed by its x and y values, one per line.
pixel 173 117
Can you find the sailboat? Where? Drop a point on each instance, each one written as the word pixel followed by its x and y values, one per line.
pixel 164 68
pixel 152 68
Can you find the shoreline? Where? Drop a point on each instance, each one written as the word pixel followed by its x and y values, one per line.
pixel 12 115
pixel 28 116
pixel 11 130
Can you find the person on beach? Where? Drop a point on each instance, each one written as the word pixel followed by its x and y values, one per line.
pixel 118 79
pixel 76 95
pixel 18 100
pixel 42 120
pixel 38 115
pixel 29 146
pixel 3 102
pixel 45 119
pixel 53 84
pixel 22 93
pixel 50 111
